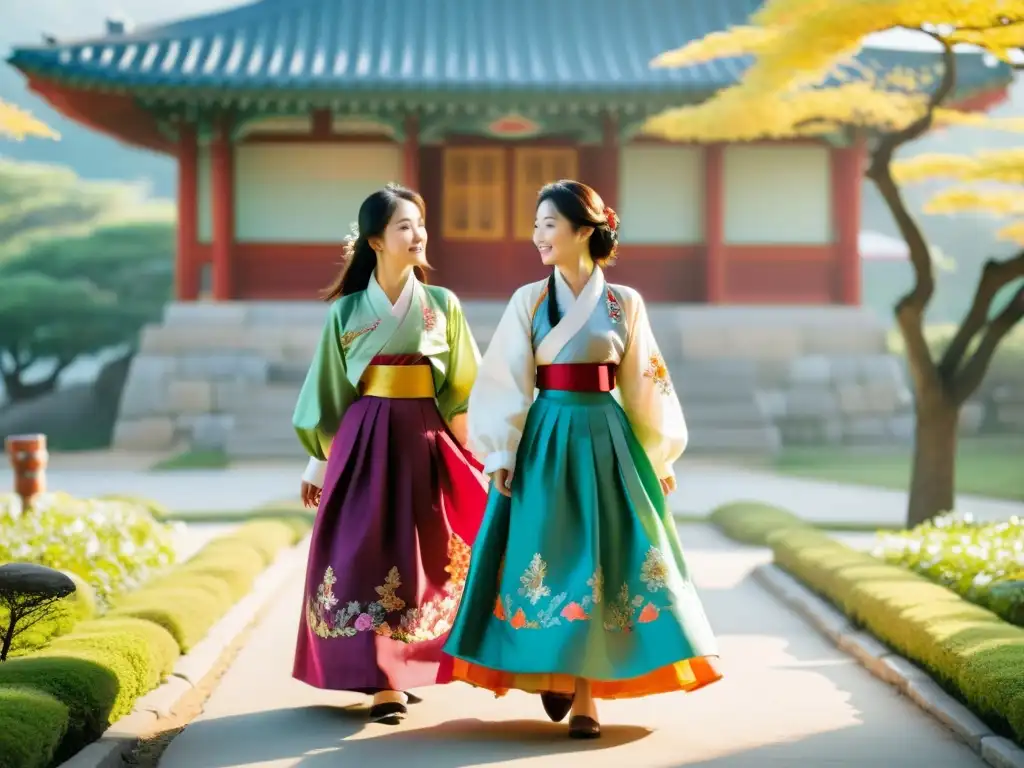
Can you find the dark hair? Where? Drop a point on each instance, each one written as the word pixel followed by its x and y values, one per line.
pixel 360 259
pixel 583 207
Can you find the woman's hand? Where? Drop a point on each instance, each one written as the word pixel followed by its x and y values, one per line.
pixel 668 484
pixel 502 480
pixel 310 495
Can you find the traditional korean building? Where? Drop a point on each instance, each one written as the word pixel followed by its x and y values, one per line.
pixel 284 114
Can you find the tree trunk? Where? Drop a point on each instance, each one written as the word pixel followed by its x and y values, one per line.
pixel 933 479
pixel 8 636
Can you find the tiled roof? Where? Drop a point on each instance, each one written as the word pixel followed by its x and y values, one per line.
pixel 571 46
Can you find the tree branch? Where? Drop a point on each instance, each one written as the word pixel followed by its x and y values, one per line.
pixel 974 372
pixel 911 307
pixel 994 276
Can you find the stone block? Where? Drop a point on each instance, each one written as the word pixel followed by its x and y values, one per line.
pixel 901 427
pixel 887 368
pixel 224 367
pixel 707 345
pixel 197 314
pixel 869 430
pixel 211 431
pixel 884 397
pixel 811 369
pixel 147 434
pixel 772 404
pixel 190 397
pixel 928 695
pixel 811 401
pixel 845 369
pixel 228 394
pixel 153 367
pixel 1000 752
pixel 843 339
pixel 143 397
pixel 763 343
pixel 810 430
pixel 852 398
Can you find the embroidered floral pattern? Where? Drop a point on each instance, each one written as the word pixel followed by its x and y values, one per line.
pixel 388 615
pixel 429 318
pixel 349 336
pixel 620 615
pixel 657 372
pixel 614 308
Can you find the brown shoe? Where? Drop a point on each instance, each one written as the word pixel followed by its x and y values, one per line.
pixel 557 705
pixel 583 727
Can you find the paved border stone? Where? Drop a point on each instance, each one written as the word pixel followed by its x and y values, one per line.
pixel 894 669
pixel 121 737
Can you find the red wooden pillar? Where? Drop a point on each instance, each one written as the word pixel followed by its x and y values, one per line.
pixel 223 195
pixel 609 190
pixel 847 174
pixel 186 268
pixel 411 154
pixel 714 223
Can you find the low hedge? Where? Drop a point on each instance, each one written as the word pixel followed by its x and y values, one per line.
pixel 968 649
pixel 752 522
pixel 32 725
pixel 98 671
pixel 193 597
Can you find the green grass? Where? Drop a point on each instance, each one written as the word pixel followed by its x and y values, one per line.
pixel 985 466
pixel 193 460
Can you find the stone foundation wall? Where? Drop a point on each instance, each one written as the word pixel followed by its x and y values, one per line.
pixel 215 376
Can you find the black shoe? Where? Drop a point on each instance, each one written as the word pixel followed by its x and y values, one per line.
pixel 413 698
pixel 557 705
pixel 583 727
pixel 389 713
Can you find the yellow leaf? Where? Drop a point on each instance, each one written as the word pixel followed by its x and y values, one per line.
pixel 943 116
pixel 1013 232
pixel 997 202
pixel 933 166
pixel 17 124
pixel 737 41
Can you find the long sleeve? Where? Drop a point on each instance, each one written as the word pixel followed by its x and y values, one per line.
pixel 648 397
pixel 504 389
pixel 325 395
pixel 463 364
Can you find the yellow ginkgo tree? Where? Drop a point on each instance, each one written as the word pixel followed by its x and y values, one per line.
pixel 806 80
pixel 16 123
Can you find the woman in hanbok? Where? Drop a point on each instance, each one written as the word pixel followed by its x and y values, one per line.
pixel 382 414
pixel 578 589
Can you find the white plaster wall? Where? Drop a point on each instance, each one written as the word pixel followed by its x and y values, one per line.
pixel 777 195
pixel 307 193
pixel 661 197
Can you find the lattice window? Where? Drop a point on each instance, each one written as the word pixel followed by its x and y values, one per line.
pixel 536 167
pixel 475 194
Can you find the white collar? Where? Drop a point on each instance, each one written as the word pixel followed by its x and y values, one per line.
pixel 401 306
pixel 563 291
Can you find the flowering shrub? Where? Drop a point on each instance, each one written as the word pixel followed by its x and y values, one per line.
pixel 113 545
pixel 984 563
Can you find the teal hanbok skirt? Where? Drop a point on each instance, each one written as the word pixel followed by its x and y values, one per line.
pixel 581 573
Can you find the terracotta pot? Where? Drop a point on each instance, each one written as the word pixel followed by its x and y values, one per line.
pixel 29 457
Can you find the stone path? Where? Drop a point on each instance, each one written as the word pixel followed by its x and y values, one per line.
pixel 789 698
pixel 702 487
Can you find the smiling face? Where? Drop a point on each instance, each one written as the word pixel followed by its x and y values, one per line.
pixel 555 237
pixel 404 241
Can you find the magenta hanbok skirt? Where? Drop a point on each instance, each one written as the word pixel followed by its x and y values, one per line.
pixel 400 507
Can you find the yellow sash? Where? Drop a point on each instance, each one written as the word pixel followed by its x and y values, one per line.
pixel 399 382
